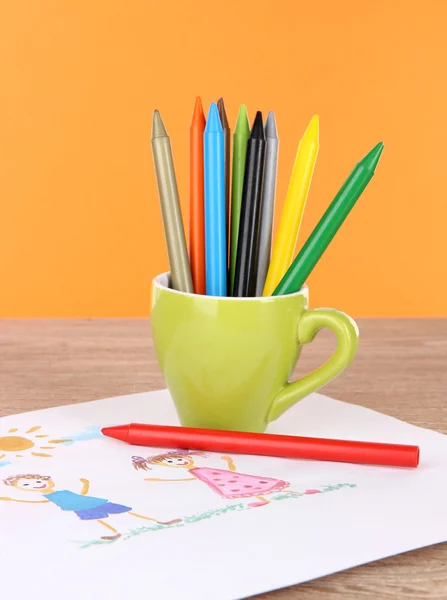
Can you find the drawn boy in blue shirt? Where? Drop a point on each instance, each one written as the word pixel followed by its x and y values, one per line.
pixel 87 508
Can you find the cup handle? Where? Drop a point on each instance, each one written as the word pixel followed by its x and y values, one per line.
pixel 309 324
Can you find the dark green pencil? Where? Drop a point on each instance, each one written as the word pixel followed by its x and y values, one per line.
pixel 329 224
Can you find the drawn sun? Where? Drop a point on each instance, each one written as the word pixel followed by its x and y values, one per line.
pixel 16 442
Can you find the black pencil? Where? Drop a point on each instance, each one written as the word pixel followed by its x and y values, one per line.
pixel 248 239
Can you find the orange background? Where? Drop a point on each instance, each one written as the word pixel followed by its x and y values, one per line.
pixel 80 225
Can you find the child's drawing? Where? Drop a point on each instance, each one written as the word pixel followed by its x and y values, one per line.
pixel 225 482
pixel 37 489
pixel 17 444
pixel 87 508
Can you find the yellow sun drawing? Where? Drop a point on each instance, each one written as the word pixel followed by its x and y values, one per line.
pixel 16 442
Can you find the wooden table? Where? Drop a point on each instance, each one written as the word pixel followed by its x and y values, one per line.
pixel 400 369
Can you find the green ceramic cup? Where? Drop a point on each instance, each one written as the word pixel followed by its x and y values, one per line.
pixel 227 361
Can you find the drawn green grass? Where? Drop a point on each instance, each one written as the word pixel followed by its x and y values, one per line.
pixel 204 516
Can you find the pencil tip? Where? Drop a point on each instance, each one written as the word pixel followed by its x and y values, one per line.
pixel 372 158
pixel 257 131
pixel 312 132
pixel 158 128
pixel 119 432
pixel 198 114
pixel 242 122
pixel 198 105
pixel 222 113
pixel 213 121
pixel 270 126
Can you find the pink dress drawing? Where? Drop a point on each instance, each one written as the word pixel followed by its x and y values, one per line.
pixel 230 484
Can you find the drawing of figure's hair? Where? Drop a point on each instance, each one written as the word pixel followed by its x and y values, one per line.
pixel 138 462
pixel 15 478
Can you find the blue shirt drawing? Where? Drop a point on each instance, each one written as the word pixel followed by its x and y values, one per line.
pixel 67 500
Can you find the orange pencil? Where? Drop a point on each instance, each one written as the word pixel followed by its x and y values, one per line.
pixel 196 195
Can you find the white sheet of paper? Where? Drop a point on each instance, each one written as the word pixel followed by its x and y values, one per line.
pixel 224 547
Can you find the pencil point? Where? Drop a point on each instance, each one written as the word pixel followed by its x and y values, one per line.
pixel 222 113
pixel 158 128
pixel 198 107
pixel 372 158
pixel 270 126
pixel 312 132
pixel 257 131
pixel 242 122
pixel 118 432
pixel 213 122
pixel 198 114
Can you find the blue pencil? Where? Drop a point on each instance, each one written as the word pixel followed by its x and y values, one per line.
pixel 215 209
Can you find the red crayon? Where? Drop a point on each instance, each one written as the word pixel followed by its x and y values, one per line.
pixel 264 444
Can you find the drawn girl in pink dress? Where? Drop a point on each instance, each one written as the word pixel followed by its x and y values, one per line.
pixel 225 482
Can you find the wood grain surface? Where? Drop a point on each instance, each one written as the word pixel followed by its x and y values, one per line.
pixel 400 369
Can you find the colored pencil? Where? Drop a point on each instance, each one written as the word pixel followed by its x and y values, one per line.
pixel 248 239
pixel 265 444
pixel 215 221
pixel 196 195
pixel 227 151
pixel 292 214
pixel 329 223
pixel 240 139
pixel 267 201
pixel 170 207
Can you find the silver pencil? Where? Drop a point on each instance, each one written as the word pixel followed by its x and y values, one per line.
pixel 268 201
pixel 181 279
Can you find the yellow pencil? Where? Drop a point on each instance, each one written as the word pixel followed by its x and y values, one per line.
pixel 292 214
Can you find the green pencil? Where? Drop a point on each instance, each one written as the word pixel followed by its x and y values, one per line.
pixel 240 139
pixel 329 224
